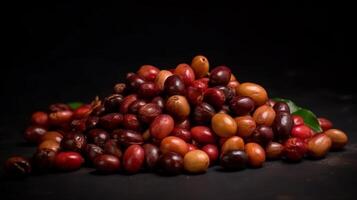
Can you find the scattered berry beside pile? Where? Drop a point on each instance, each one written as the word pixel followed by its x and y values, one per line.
pixel 173 121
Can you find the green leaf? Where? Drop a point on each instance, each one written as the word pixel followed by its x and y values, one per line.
pixel 310 119
pixel 75 105
pixel 293 107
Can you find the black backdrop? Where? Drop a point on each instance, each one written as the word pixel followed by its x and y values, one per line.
pixel 74 51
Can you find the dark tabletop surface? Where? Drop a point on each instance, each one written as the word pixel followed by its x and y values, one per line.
pixel 72 52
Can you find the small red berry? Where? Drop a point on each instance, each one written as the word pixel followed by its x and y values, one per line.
pixel 297 120
pixel 302 132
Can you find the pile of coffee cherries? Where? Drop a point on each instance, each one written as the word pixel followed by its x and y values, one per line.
pixel 174 121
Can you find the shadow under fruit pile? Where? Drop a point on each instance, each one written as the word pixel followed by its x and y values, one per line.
pixel 174 121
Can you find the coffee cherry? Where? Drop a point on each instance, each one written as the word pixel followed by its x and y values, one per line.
pixel 220 76
pixel 106 163
pixel 200 66
pixel 40 119
pixel 17 166
pixel 68 161
pixel 174 86
pixel 294 149
pixel 242 105
pixel 148 72
pixel 171 163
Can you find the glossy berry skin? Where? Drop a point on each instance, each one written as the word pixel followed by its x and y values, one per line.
pixel 178 107
pixel 92 122
pixel 186 73
pixel 232 143
pixel 220 76
pixel 185 124
pixel 33 134
pixel 40 119
pixel 171 163
pixel 203 113
pixel 302 132
pixel 49 144
pixel 127 101
pixel 82 112
pixel 43 159
pixel 224 125
pixel 255 153
pixel 200 84
pixel 134 158
pixel 111 121
pixel 339 138
pixel 152 155
pixel 161 78
pixel 203 135
pixel 281 107
pixel 148 90
pixel 282 125
pixel 325 123
pixel 98 137
pixel 233 84
pixel 78 125
pixel 191 147
pixel 131 122
pixel 254 91
pixel 212 152
pixel 74 142
pixel 159 101
pixel 274 150
pixel 52 135
pixel 111 147
pixel 214 97
pixel 319 145
pixel 181 133
pixel 174 86
pixel 92 151
pixel 136 105
pixel 262 135
pixel 297 120
pixel 196 161
pixel 241 105
pixel 162 126
pixel 60 117
pixel 294 149
pixel 17 166
pixel 148 72
pixel 264 115
pixel 200 66
pixel 245 126
pixel 134 82
pixel 229 93
pixel 174 144
pixel 234 160
pixel 126 137
pixel 106 163
pixel 148 112
pixel 68 161
pixel 194 95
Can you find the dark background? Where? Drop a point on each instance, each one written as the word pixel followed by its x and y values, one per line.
pixel 73 51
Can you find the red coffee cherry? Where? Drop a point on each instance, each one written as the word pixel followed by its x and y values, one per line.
pixel 162 126
pixel 68 161
pixel 40 119
pixel 133 158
